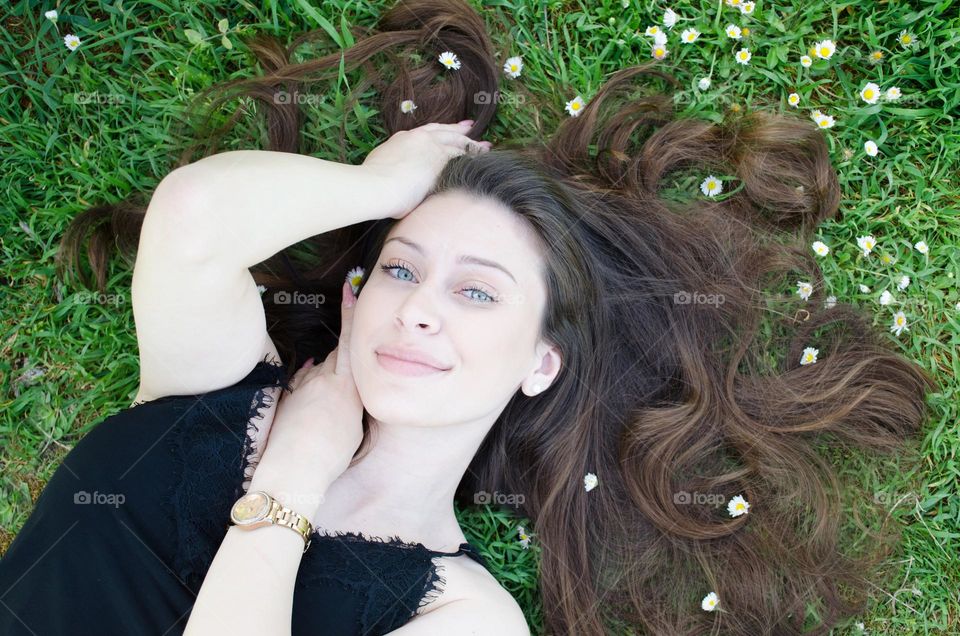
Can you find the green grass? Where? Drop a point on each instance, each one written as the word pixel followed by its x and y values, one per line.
pixel 68 360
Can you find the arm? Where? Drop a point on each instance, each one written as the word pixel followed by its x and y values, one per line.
pixel 250 204
pixel 248 589
pixel 199 317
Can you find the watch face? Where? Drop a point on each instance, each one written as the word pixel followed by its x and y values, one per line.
pixel 249 508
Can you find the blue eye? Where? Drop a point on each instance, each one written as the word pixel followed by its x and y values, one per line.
pixel 486 294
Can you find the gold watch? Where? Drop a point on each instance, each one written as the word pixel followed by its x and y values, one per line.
pixel 257 509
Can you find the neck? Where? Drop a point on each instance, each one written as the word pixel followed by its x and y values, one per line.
pixel 408 478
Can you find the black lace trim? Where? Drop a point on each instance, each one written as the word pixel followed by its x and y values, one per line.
pixel 203 444
pixel 391 566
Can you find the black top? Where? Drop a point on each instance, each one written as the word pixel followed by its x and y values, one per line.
pixel 122 535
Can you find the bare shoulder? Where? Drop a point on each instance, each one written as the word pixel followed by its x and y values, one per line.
pixel 472 602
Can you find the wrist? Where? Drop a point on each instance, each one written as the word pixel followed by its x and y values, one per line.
pixel 385 189
pixel 302 501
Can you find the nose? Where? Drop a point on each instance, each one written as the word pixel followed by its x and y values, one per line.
pixel 416 313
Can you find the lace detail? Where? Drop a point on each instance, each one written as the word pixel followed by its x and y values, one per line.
pixel 395 577
pixel 209 444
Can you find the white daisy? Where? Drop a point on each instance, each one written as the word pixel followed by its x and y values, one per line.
pixel 824 49
pixel 804 289
pixel 658 52
pixel 870 93
pixel 659 37
pixel 806 61
pixel 864 289
pixel 738 506
pixel 704 83
pixel 513 66
pixel 921 246
pixel 809 356
pixel 886 297
pixel 51 15
pixel 449 60
pixel 574 106
pixel 870 147
pixel 71 41
pixel 903 282
pixel 905 38
pixel 524 538
pixel 652 30
pixel 733 31
pixel 747 8
pixel 407 106
pixel 893 94
pixel 711 186
pixel 820 248
pixel 709 602
pixel 830 302
pixel 689 36
pixel 866 243
pixel 669 18
pixel 355 277
pixel 589 482
pixel 823 121
pixel 899 323
pixel 793 99
pixel 743 56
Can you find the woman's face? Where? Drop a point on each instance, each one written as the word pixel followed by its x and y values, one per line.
pixel 479 322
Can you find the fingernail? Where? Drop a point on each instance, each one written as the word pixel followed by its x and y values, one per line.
pixel 348 298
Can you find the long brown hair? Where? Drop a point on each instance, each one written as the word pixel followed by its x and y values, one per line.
pixel 681 384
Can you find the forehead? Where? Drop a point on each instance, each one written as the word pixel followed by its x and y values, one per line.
pixel 453 223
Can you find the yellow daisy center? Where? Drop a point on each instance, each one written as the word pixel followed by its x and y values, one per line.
pixel 906 39
pixel 868 93
pixel 877 55
pixel 575 106
pixel 513 67
pixel 824 51
pixel 745 31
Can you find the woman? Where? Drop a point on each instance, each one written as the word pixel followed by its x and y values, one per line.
pixel 599 356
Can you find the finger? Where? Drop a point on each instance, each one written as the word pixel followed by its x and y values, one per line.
pixel 466 124
pixel 298 375
pixel 342 362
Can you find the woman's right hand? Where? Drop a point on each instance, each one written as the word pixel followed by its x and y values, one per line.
pixel 411 160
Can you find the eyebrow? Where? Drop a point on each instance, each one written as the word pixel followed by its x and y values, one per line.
pixel 472 260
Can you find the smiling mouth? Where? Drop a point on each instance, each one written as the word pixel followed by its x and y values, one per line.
pixel 405 367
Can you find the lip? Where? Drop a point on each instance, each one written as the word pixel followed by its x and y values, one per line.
pixel 406 367
pixel 413 355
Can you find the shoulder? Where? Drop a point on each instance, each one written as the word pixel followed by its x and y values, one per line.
pixel 473 602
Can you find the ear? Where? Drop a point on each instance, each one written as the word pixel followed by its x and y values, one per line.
pixel 548 363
